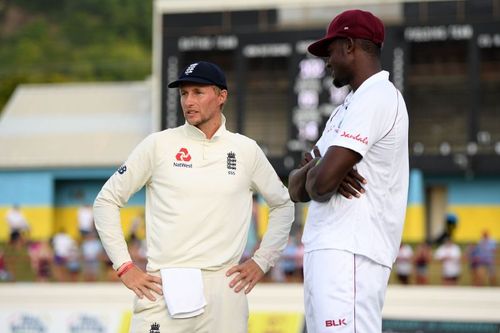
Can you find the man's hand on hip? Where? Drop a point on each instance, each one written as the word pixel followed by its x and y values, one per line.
pixel 142 284
pixel 248 274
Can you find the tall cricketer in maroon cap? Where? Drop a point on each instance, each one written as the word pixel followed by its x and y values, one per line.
pixel 354 224
pixel 351 23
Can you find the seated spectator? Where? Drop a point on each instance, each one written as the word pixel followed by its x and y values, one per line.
pixel 450 256
pixel 137 227
pixel 92 251
pixel 422 258
pixel 404 263
pixel 73 263
pixel 41 260
pixel 137 249
pixel 486 249
pixel 288 260
pixel 63 246
pixel 109 270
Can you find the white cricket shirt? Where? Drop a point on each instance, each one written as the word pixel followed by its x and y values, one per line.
pixel 373 121
pixel 198 200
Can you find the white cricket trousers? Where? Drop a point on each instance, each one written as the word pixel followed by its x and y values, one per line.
pixel 226 311
pixel 343 292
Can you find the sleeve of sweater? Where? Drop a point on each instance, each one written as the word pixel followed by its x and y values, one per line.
pixel 281 211
pixel 127 180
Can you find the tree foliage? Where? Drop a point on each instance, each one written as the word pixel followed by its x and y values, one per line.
pixel 46 41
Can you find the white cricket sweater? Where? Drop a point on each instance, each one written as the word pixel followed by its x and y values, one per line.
pixel 198 200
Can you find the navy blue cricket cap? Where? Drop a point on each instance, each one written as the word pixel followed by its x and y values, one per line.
pixel 201 72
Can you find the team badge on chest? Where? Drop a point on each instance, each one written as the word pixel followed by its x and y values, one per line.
pixel 231 163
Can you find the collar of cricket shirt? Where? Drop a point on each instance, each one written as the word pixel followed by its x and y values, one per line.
pixel 194 132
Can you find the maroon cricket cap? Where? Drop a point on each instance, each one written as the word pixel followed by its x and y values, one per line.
pixel 351 23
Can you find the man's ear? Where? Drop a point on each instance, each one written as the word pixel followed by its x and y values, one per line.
pixel 223 96
pixel 349 45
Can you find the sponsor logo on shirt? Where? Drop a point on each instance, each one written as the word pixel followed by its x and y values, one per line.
pixel 356 137
pixel 335 323
pixel 183 156
pixel 332 127
pixel 121 170
pixel 331 124
pixel 231 163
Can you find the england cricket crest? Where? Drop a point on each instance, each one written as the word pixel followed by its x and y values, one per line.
pixel 155 328
pixel 231 163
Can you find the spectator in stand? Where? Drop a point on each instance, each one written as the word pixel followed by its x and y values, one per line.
pixel 137 227
pixel 4 273
pixel 63 246
pixel 137 249
pixel 16 221
pixel 450 256
pixel 110 272
pixel 450 224
pixel 41 260
pixel 277 273
pixel 85 217
pixel 486 249
pixel 473 259
pixel 73 264
pixel 404 263
pixel 288 260
pixel 422 258
pixel 92 252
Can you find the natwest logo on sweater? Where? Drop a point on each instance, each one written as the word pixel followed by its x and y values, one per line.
pixel 183 156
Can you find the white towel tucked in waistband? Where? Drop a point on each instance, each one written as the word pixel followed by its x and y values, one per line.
pixel 183 292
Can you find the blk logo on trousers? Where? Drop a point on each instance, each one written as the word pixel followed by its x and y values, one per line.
pixel 335 323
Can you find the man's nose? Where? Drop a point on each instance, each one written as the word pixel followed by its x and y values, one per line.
pixel 188 99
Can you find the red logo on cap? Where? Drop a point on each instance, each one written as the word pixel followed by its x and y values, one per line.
pixel 183 155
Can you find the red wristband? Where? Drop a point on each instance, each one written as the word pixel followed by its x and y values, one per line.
pixel 124 268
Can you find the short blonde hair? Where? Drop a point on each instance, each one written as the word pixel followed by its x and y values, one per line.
pixel 218 91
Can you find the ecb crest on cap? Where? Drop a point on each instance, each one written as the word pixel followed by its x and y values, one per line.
pixel 201 72
pixel 191 68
